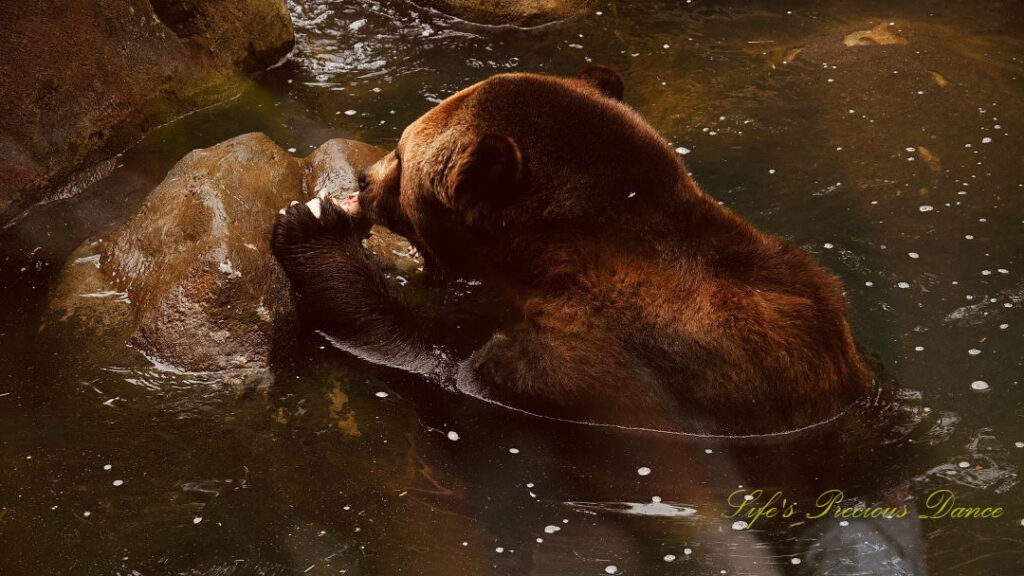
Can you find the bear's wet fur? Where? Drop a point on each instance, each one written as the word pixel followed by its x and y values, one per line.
pixel 640 301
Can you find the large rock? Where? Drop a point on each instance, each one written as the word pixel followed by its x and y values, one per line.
pixel 510 12
pixel 81 81
pixel 190 281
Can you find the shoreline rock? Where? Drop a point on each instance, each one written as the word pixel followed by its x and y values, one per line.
pixel 524 13
pixel 83 80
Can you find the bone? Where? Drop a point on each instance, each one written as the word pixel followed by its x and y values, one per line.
pixel 314 207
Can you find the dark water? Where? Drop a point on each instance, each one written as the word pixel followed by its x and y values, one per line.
pixel 899 166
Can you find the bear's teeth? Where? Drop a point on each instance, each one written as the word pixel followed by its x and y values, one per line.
pixel 314 207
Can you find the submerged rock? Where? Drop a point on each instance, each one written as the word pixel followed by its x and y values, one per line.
pixel 510 12
pixel 190 281
pixel 880 35
pixel 83 80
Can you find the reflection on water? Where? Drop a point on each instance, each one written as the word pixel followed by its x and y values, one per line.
pixel 898 165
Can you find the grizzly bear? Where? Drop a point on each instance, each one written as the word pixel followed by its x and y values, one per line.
pixel 639 300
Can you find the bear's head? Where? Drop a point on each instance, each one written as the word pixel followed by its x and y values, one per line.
pixel 518 157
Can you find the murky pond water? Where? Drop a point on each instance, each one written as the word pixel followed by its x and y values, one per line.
pixel 898 165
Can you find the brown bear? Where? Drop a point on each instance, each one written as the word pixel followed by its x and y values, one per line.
pixel 639 300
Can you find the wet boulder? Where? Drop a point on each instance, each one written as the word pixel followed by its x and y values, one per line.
pixel 189 281
pixel 81 81
pixel 510 12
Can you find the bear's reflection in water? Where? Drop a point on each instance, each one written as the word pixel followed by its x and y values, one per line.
pixel 598 495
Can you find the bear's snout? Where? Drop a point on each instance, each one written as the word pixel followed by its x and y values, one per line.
pixel 363 181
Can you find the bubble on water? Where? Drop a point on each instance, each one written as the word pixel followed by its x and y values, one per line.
pixel 974 351
pixel 986 140
pixel 551 529
pixel 118 482
pixel 968 236
pixel 771 170
pixel 1019 444
pixel 913 255
pixel 86 513
pixel 669 558
pixel 911 149
pixel 381 394
pixel 540 540
pixel 1004 326
pixel 794 560
pixel 687 551
pixel 107 466
pixel 350 112
pixel 453 436
pixel 499 549
pixel 611 569
pixel 197 519
pixel 292 150
pixel 464 543
pixel 844 523
pixel 979 385
pixel 964 464
pixel 1002 271
pixel 903 285
pixel 513 450
pixel 925 208
pixel 919 348
pixel 739 525
pixel 656 499
pixel 869 283
pixel 828 245
pixel 986 272
pixel 682 150
pixel 643 470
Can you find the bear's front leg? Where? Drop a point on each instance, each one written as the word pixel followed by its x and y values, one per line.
pixel 341 294
pixel 306 236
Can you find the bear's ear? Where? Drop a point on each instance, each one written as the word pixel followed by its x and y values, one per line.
pixel 606 80
pixel 484 177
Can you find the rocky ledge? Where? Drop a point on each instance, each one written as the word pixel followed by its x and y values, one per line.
pixel 81 81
